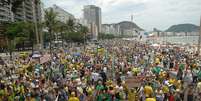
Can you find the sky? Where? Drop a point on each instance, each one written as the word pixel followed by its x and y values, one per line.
pixel 147 14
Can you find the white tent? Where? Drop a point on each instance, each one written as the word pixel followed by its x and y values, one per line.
pixel 155 45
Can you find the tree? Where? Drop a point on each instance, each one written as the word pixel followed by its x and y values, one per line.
pixel 61 29
pixel 76 37
pixel 105 36
pixel 30 33
pixel 75 32
pixel 14 35
pixel 14 6
pixel 71 27
pixel 50 24
pixel 83 30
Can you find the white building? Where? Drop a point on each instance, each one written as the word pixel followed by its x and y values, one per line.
pixel 125 28
pixel 62 15
pixel 111 29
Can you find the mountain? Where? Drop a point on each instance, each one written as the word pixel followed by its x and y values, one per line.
pixel 156 30
pixel 128 25
pixel 183 28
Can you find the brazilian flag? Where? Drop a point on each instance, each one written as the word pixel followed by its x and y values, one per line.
pixel 156 70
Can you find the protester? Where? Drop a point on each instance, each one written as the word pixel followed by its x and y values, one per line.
pixel 101 74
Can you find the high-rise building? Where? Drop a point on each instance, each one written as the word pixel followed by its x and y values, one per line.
pixel 62 15
pixel 28 10
pixel 5 14
pixel 92 15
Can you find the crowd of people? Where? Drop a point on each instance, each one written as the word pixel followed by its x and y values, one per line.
pixel 100 72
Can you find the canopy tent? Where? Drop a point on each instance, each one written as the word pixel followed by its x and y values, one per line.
pixel 155 45
pixel 36 55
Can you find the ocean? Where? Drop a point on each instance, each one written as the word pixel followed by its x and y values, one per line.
pixel 177 39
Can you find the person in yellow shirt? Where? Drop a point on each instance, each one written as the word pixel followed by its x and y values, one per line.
pixel 148 90
pixel 132 95
pixel 73 97
pixel 150 99
pixel 157 60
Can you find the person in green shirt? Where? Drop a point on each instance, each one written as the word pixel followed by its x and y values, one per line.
pixel 100 86
pixel 156 70
pixel 103 96
pixel 199 75
pixel 99 96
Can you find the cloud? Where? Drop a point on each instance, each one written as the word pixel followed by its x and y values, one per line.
pixel 147 13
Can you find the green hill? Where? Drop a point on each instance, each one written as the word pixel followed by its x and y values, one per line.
pixel 183 28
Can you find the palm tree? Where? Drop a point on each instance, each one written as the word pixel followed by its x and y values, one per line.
pixel 71 27
pixel 14 34
pixel 50 24
pixel 83 30
pixel 30 33
pixel 61 29
pixel 35 2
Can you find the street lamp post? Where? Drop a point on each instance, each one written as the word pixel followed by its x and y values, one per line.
pixel 199 41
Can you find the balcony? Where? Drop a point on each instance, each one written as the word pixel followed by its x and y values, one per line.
pixel 4 14
pixel 29 12
pixel 4 9
pixel 28 7
pixel 28 2
pixel 29 17
pixel 19 18
pixel 4 19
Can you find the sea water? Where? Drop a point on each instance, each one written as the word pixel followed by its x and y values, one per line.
pixel 176 39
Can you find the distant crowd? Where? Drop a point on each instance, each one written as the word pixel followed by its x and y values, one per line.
pixel 100 72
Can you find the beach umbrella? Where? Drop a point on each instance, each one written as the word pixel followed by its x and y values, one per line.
pixel 36 54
